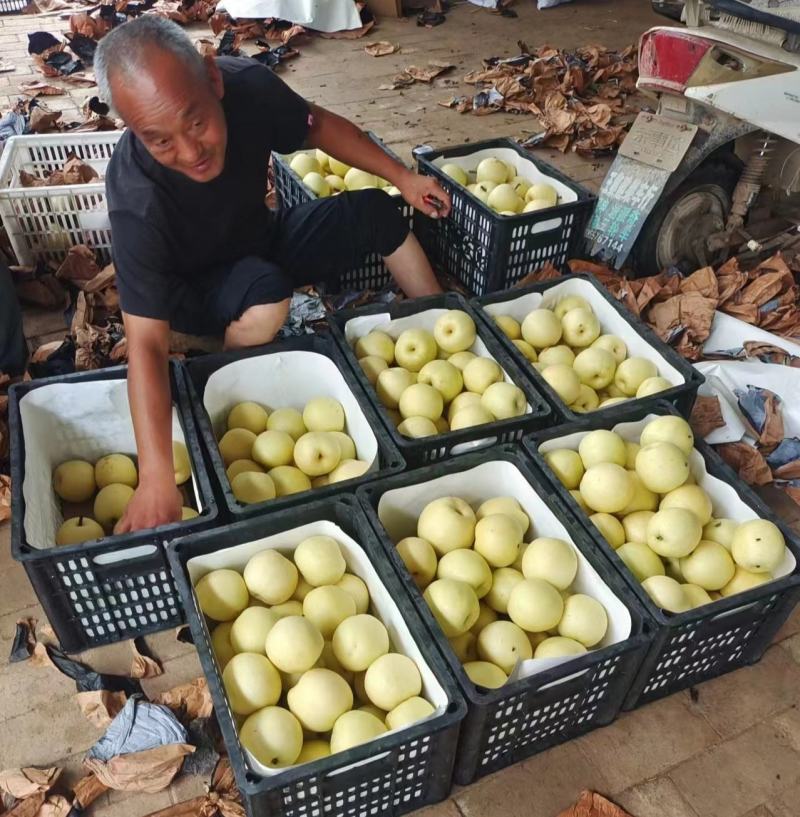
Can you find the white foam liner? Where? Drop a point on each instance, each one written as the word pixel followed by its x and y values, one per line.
pixel 726 502
pixel 400 508
pixel 287 380
pixel 611 322
pixel 64 421
pixel 382 605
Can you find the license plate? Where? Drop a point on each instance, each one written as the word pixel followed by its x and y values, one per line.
pixel 657 141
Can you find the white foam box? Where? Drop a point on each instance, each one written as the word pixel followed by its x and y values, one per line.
pixel 399 509
pixel 725 500
pixel 79 420
pixel 382 605
pixel 611 323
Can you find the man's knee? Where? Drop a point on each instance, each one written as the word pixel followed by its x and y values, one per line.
pixel 257 325
pixel 378 215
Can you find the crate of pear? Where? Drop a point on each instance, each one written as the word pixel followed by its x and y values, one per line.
pixel 284 419
pixel 646 501
pixel 94 495
pixel 312 660
pixel 511 213
pixel 431 371
pixel 512 612
pixel 587 352
pixel 714 609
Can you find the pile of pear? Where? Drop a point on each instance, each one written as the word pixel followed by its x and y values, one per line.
pixel 430 382
pixel 270 454
pixel 500 593
pixel 586 368
pixel 308 666
pixel 645 501
pixel 325 176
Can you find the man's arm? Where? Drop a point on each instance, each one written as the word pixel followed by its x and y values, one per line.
pixel 349 144
pixel 157 500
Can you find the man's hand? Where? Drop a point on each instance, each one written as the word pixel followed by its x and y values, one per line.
pixel 155 502
pixel 425 194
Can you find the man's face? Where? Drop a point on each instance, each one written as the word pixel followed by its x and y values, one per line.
pixel 177 116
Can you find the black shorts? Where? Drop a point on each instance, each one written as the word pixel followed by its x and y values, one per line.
pixel 313 243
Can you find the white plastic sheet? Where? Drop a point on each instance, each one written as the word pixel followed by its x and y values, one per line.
pixel 728 332
pixel 321 15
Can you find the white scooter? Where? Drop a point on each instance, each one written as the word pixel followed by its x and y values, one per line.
pixel 717 167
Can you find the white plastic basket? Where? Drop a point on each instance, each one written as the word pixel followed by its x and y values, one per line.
pixel 42 223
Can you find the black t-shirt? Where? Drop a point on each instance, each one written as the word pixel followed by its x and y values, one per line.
pixel 163 224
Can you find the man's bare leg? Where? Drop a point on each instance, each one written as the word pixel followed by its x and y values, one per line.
pixel 412 270
pixel 258 324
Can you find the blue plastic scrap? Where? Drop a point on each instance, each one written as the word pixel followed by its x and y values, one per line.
pixel 140 726
pixel 788 450
pixel 753 403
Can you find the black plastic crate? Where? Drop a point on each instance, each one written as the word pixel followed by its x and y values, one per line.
pixel 428 449
pixel 485 251
pixel 114 588
pixel 681 396
pixel 199 369
pixel 703 643
pixel 371 273
pixel 391 775
pixel 527 716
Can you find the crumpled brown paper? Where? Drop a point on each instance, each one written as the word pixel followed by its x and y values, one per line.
pixel 415 73
pixel 592 804
pixel 706 416
pixel 149 771
pixel 41 89
pixel 747 461
pixel 221 800
pixel 5 488
pixel 22 783
pixel 143 666
pixel 381 48
pixel 101 706
pixel 188 701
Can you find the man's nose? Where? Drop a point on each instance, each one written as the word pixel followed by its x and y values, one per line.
pixel 190 151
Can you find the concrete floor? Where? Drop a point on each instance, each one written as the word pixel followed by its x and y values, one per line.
pixel 734 751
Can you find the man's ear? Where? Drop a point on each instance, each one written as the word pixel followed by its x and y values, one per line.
pixel 214 76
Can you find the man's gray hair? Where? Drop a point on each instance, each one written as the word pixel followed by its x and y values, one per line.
pixel 121 53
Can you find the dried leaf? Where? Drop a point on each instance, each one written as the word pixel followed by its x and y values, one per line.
pixel 79 266
pixel 43 120
pixel 382 48
pixel 41 89
pixel 748 463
